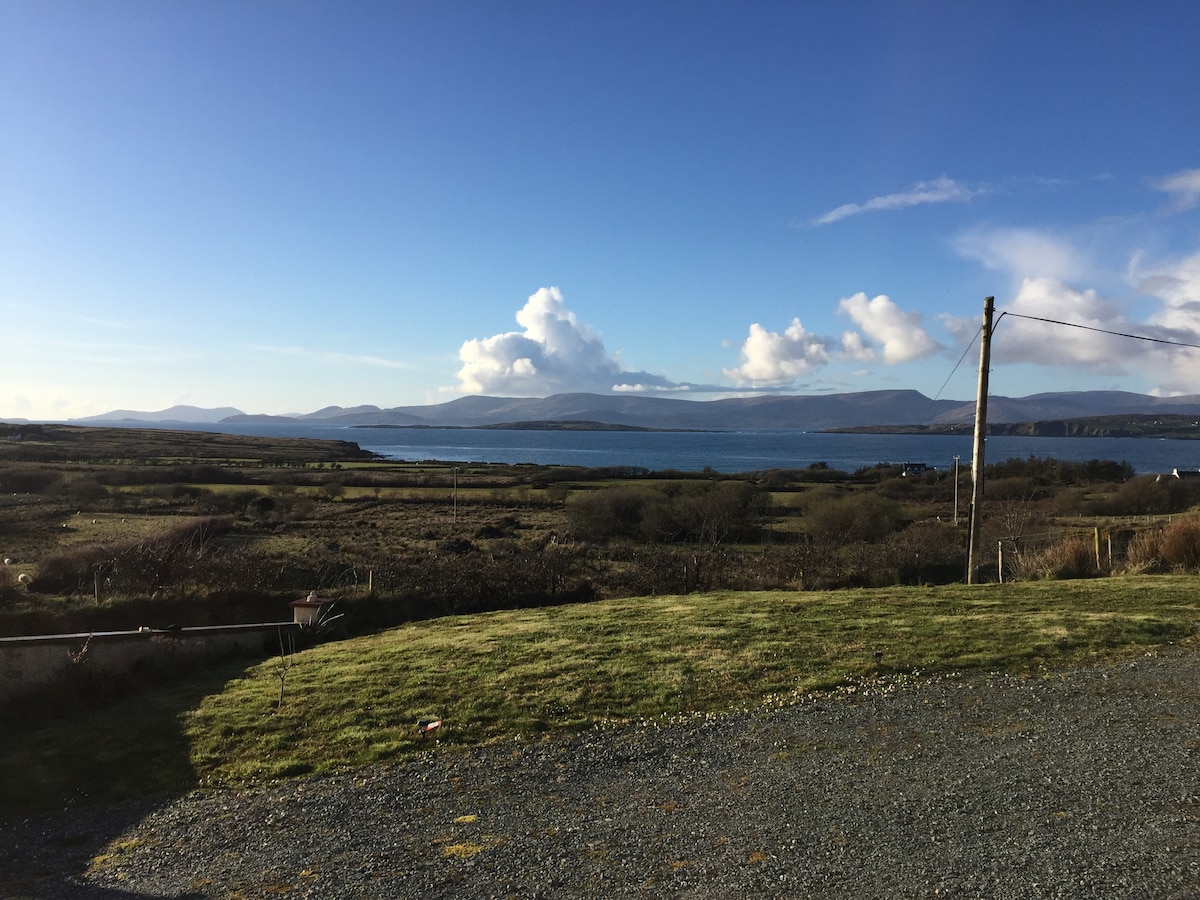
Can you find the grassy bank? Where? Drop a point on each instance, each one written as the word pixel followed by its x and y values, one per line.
pixel 527 673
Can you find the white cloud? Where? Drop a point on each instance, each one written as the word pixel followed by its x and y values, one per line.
pixel 1033 340
pixel 554 353
pixel 1046 272
pixel 333 358
pixel 940 190
pixel 775 359
pixel 886 333
pixel 855 347
pixel 899 334
pixel 1184 188
pixel 1050 323
pixel 1081 278
pixel 1176 284
pixel 1023 252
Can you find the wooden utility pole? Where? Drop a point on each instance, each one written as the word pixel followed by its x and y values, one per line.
pixel 975 514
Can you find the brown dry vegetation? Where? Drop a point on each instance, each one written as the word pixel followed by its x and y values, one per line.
pixel 124 527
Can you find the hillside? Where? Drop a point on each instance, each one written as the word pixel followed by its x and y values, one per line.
pixel 803 413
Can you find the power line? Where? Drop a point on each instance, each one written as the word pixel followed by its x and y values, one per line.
pixel 1136 337
pixel 978 331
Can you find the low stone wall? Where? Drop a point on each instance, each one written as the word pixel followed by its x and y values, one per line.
pixel 28 663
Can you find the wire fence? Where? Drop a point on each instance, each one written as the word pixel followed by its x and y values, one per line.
pixel 1110 546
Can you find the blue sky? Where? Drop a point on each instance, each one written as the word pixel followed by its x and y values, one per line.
pixel 281 206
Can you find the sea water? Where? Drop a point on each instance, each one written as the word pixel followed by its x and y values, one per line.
pixel 723 451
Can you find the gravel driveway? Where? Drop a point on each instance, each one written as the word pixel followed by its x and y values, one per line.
pixel 1081 784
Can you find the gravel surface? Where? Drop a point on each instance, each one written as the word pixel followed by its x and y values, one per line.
pixel 1082 784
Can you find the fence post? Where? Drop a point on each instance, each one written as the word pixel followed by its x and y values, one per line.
pixel 1000 561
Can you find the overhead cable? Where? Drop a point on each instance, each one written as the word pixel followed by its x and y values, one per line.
pixel 1136 337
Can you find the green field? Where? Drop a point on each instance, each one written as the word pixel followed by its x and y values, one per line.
pixel 706 595
pixel 526 674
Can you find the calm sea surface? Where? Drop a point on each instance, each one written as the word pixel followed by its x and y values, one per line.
pixel 730 452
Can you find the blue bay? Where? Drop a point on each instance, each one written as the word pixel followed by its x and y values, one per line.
pixel 727 452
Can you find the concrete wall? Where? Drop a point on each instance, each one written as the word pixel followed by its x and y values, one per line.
pixel 27 663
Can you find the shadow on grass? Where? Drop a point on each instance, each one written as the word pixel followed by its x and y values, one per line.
pixel 79 768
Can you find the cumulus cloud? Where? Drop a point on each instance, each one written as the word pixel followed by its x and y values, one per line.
pixel 898 334
pixel 1031 340
pixel 940 190
pixel 771 358
pixel 554 353
pixel 1049 322
pixel 1183 187
pixel 886 334
pixel 1082 278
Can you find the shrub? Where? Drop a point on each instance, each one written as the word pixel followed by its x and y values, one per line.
pixel 86 490
pixel 708 512
pixel 203 473
pixel 27 481
pixel 1181 544
pixel 71 569
pixel 1149 495
pixel 897 489
pixel 260 507
pixel 928 553
pixel 1050 470
pixel 1144 551
pixel 622 509
pixel 168 560
pixel 1074 557
pixel 215 503
pixel 835 520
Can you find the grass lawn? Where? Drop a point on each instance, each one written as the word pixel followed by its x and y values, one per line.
pixel 527 673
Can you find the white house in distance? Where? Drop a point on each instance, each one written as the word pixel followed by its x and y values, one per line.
pixel 1180 473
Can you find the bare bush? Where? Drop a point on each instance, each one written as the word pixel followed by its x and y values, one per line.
pixel 1013 508
pixel 836 520
pixel 334 489
pixel 72 569
pixel 1181 544
pixel 1144 552
pixel 28 481
pixel 928 553
pixel 86 490
pixel 1149 495
pixel 708 513
pixel 217 503
pixel 1074 557
pixel 167 560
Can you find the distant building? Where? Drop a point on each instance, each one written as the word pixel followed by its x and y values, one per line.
pixel 911 469
pixel 1180 473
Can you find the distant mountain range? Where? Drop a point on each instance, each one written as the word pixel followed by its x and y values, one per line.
pixel 181 414
pixel 806 413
